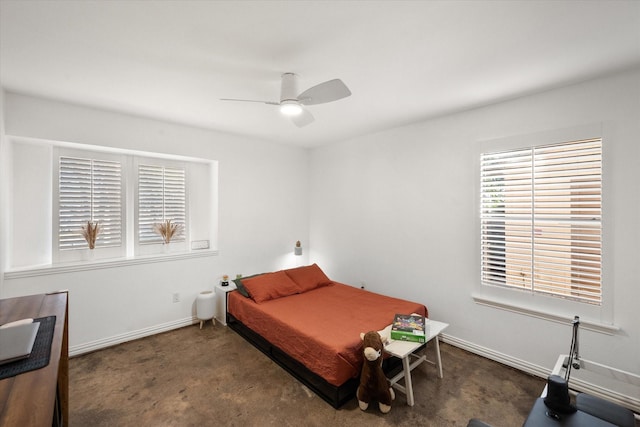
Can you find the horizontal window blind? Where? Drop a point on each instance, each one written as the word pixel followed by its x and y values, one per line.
pixel 161 197
pixel 541 219
pixel 89 190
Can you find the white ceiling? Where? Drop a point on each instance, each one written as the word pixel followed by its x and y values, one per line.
pixel 404 61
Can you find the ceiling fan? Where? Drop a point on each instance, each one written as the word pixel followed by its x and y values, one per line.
pixel 293 103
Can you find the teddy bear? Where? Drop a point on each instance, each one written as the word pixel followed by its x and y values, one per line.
pixel 374 385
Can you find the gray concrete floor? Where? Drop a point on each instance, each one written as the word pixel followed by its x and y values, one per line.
pixel 213 377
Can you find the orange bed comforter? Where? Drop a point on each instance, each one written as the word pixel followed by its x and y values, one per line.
pixel 321 328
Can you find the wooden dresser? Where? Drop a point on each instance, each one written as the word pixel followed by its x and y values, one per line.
pixel 29 399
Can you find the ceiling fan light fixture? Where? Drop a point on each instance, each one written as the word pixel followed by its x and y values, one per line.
pixel 293 103
pixel 290 108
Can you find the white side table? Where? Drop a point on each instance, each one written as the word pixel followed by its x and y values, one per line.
pixel 221 301
pixel 405 350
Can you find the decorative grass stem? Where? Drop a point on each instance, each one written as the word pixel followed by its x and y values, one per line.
pixel 90 233
pixel 167 230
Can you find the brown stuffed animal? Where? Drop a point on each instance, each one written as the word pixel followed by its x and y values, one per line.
pixel 374 385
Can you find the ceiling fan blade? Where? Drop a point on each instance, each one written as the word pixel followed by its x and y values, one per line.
pixel 303 118
pixel 329 91
pixel 250 100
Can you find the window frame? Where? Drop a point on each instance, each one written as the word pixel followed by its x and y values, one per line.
pixel 130 246
pixel 542 305
pixel 34 175
pixel 148 248
pixel 84 253
pixel 541 219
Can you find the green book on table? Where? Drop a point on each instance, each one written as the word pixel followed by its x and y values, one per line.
pixel 408 327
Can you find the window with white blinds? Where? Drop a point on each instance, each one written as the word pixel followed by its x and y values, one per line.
pixel 89 190
pixel 541 219
pixel 161 197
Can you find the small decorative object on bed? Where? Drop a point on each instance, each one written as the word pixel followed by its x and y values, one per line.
pixel 90 233
pixel 167 230
pixel 374 385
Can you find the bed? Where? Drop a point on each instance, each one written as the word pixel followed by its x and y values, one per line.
pixel 310 325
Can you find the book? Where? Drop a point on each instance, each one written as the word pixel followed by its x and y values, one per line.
pixel 409 327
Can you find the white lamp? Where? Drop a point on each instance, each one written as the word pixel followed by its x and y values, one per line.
pixel 297 250
pixel 290 107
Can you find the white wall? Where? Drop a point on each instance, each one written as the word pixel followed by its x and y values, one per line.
pixel 263 210
pixel 394 210
pixel 397 211
pixel 4 240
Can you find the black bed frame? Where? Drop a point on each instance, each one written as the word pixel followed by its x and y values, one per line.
pixel 336 396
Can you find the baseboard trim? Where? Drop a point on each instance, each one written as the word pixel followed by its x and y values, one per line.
pixel 79 349
pixel 496 356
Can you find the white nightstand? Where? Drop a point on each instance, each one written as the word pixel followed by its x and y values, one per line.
pixel 221 301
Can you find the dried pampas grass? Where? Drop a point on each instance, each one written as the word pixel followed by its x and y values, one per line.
pixel 90 233
pixel 167 229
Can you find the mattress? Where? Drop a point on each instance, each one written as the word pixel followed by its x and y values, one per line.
pixel 321 328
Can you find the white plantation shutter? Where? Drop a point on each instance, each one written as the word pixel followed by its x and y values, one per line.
pixel 161 197
pixel 89 190
pixel 541 219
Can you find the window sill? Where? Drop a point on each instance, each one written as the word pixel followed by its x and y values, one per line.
pixel 45 270
pixel 603 328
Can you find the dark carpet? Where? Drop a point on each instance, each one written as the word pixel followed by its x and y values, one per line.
pixel 213 377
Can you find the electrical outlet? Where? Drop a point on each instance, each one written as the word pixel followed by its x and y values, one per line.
pixel 200 244
pixel 176 297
